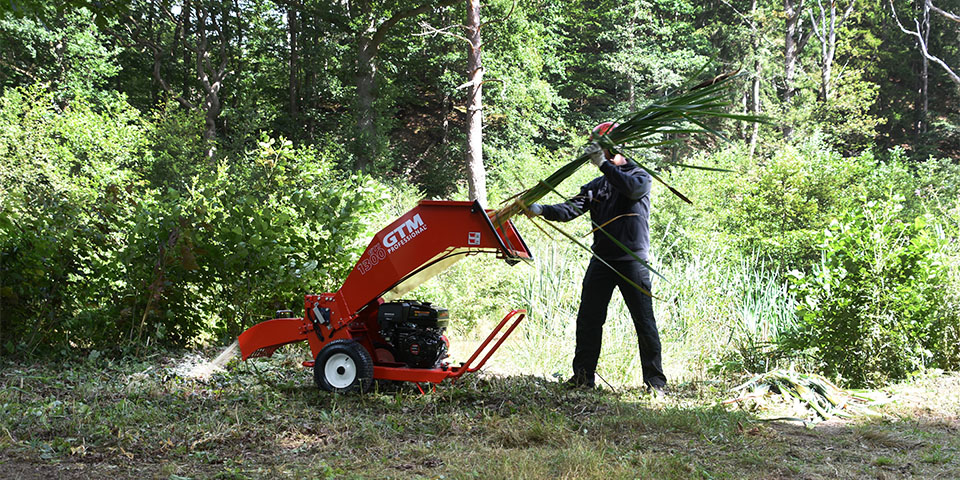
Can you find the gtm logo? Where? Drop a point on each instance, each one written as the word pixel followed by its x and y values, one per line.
pixel 406 228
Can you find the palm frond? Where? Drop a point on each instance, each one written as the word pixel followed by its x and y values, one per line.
pixel 645 128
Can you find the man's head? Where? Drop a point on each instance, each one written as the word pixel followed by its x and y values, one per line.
pixel 602 129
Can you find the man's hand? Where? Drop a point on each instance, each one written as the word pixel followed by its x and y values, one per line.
pixel 534 210
pixel 596 154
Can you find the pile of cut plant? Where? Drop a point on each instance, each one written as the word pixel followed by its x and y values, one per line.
pixel 805 397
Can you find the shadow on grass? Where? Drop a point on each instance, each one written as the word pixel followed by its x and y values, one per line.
pixel 126 420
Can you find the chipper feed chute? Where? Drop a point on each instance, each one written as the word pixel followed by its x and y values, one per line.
pixel 365 330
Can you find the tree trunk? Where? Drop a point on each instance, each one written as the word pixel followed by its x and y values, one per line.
pixel 755 105
pixel 366 129
pixel 826 29
pixel 827 50
pixel 211 76
pixel 211 107
pixel 294 80
pixel 155 34
pixel 924 98
pixel 755 81
pixel 789 59
pixel 794 41
pixel 790 50
pixel 476 175
pixel 187 12
pixel 308 42
pixel 367 144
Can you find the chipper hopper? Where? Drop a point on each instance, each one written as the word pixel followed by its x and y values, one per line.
pixel 366 330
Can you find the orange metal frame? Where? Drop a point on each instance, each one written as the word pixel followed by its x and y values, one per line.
pixel 417 246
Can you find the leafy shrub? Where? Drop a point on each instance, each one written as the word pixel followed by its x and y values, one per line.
pixel 95 255
pixel 789 197
pixel 270 226
pixel 769 207
pixel 945 336
pixel 66 201
pixel 846 118
pixel 868 310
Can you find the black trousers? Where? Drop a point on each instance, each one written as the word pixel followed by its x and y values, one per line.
pixel 598 284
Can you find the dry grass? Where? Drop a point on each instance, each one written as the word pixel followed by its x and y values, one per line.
pixel 136 419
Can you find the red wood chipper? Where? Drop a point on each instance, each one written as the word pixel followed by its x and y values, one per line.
pixel 366 331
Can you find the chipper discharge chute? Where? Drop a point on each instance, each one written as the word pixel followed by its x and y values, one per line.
pixel 366 330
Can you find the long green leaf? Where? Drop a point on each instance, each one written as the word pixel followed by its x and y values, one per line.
pixel 701 167
pixel 581 245
pixel 615 241
pixel 672 114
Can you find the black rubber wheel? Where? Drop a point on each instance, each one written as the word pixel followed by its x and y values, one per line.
pixel 343 366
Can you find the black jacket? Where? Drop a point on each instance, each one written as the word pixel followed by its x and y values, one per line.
pixel 623 190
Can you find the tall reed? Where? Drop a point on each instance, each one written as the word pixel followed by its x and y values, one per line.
pixel 713 307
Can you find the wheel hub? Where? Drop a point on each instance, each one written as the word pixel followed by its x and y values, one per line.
pixel 340 370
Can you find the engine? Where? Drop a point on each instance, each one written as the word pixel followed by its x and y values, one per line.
pixel 415 330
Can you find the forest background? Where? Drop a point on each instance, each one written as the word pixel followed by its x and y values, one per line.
pixel 173 172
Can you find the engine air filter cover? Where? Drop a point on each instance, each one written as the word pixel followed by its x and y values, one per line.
pixel 423 314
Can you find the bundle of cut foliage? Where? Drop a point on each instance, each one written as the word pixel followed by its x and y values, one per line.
pixel 663 123
pixel 812 396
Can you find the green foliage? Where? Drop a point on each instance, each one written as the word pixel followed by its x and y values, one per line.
pixel 868 310
pixel 770 207
pixel 846 118
pixel 65 51
pixel 523 105
pixel 66 199
pixel 616 54
pixel 176 138
pixel 97 255
pixel 271 226
pixel 788 198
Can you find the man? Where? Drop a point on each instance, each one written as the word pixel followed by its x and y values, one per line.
pixel 621 196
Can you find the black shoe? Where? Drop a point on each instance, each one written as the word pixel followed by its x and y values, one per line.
pixel 581 380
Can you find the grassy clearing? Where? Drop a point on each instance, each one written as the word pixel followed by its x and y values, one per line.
pixel 137 419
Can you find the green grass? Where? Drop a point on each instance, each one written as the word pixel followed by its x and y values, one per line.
pixel 135 418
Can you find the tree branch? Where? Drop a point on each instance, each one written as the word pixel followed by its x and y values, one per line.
pixel 746 20
pixel 804 38
pixel 381 33
pixel 432 31
pixel 200 51
pixel 816 24
pixel 923 45
pixel 847 12
pixel 134 30
pixel 949 15
pixel 325 15
pixel 501 19
pixel 19 70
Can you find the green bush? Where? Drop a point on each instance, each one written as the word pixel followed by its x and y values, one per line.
pixel 768 207
pixel 791 196
pixel 103 244
pixel 868 311
pixel 67 199
pixel 270 226
pixel 945 336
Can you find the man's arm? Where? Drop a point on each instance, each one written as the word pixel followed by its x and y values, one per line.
pixel 633 183
pixel 566 211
